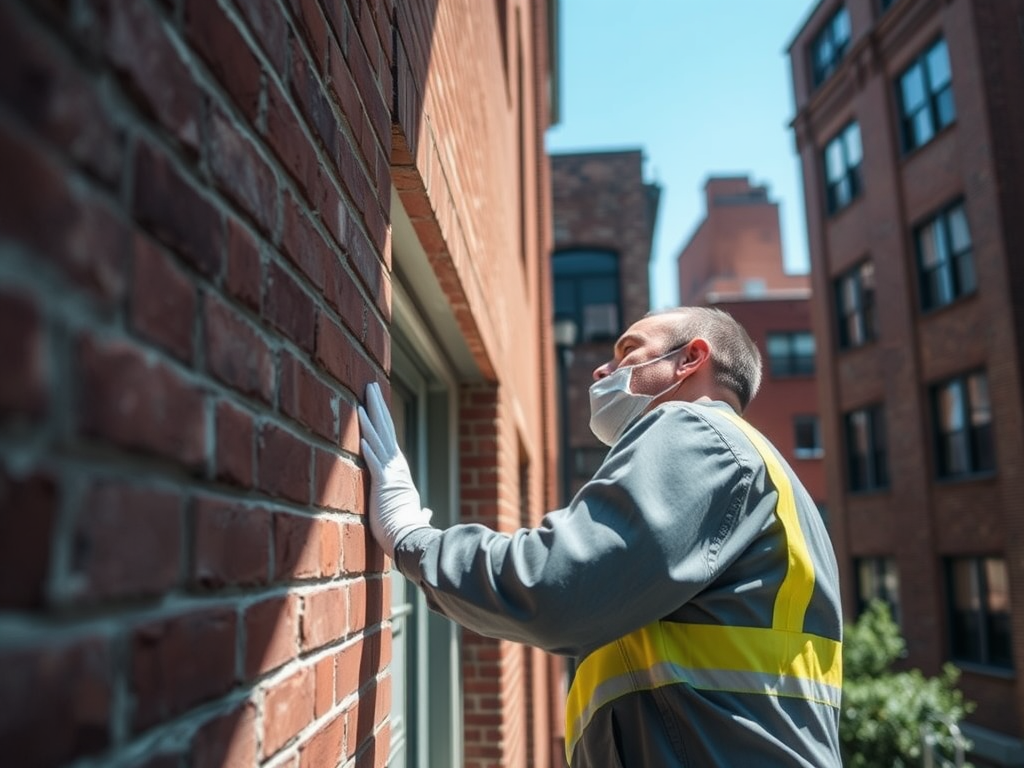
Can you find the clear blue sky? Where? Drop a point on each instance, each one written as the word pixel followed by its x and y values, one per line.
pixel 703 88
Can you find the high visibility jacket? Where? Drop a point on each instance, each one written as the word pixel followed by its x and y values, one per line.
pixel 694 581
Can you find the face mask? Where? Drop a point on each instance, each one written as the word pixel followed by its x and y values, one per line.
pixel 613 407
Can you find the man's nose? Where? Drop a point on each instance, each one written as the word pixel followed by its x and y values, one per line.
pixel 601 371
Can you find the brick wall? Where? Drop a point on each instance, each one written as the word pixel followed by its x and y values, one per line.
pixel 195 289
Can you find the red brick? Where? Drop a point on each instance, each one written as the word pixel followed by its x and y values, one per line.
pixel 241 174
pixel 357 665
pixel 329 534
pixel 235 445
pixel 296 549
pixel 23 387
pixel 218 41
pixel 72 229
pixel 324 670
pixel 312 27
pixel 236 353
pixel 271 634
pixel 28 513
pixel 342 85
pixel 163 301
pixel 343 294
pixel 314 103
pixel 139 404
pixel 181 662
pixel 338 484
pixel 289 308
pixel 375 751
pixel 176 212
pixel 348 427
pixel 366 604
pixel 326 746
pixel 368 265
pixel 324 617
pixel 303 245
pixel 339 356
pixel 306 399
pixel 287 709
pixel 231 544
pixel 244 277
pixel 228 741
pixel 283 462
pixel 359 552
pixel 363 717
pixel 57 101
pixel 55 702
pixel 270 28
pixel 135 41
pixel 285 136
pixel 127 542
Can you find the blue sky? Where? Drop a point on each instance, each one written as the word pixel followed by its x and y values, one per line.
pixel 703 87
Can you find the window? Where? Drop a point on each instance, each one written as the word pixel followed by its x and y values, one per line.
pixel 877 580
pixel 842 168
pixel 808 437
pixel 926 97
pixel 867 462
pixel 855 306
pixel 944 257
pixel 828 47
pixel 791 354
pixel 979 596
pixel 963 426
pixel 587 292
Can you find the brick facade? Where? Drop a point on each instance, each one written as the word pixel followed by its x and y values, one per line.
pixel 919 520
pixel 198 277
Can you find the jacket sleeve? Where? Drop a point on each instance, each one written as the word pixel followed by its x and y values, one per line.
pixel 638 540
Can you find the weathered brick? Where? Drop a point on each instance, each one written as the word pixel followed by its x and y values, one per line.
pixel 334 351
pixel 23 387
pixel 227 741
pixel 362 720
pixel 289 308
pixel 28 513
pixel 326 746
pixel 271 634
pixel 236 353
pixel 218 41
pixel 240 173
pixel 236 441
pixel 284 464
pixel 312 27
pixel 357 546
pixel 231 544
pixel 306 399
pixel 270 28
pixel 127 542
pixel 324 672
pixel 139 404
pixel 314 103
pixel 244 279
pixel 287 709
pixel 56 701
pixel 169 676
pixel 296 550
pixel 366 604
pixel 176 212
pixel 285 136
pixel 338 484
pixel 303 245
pixel 324 617
pixel 328 533
pixel 163 301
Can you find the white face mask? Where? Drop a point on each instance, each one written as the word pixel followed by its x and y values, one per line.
pixel 613 407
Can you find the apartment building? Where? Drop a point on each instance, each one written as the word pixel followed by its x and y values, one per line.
pixel 604 218
pixel 910 129
pixel 219 221
pixel 734 261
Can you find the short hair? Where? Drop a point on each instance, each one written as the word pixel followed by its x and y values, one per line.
pixel 735 359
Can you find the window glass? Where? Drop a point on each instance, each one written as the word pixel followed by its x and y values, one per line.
pixel 587 292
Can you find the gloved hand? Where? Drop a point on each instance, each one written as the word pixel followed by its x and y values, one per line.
pixel 395 507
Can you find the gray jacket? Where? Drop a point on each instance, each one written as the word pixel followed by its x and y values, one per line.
pixel 694 581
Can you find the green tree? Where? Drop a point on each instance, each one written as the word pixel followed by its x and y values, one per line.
pixel 884 711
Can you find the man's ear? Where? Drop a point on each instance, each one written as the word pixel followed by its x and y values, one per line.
pixel 698 352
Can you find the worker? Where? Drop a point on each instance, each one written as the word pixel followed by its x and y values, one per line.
pixel 692 578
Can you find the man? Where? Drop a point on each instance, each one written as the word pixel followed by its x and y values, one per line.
pixel 692 577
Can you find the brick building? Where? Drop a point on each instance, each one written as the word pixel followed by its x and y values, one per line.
pixel 734 261
pixel 219 220
pixel 604 218
pixel 910 128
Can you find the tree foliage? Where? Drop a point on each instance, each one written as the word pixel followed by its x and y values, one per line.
pixel 884 711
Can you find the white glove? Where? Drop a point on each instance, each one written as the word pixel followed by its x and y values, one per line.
pixel 395 507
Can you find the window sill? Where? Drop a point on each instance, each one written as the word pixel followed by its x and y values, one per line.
pixel 986 670
pixel 986 476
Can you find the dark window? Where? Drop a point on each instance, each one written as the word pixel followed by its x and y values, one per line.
pixel 979 597
pixel 963 426
pixel 808 437
pixel 944 258
pixel 925 93
pixel 828 47
pixel 855 306
pixel 877 579
pixel 842 168
pixel 791 354
pixel 867 461
pixel 587 292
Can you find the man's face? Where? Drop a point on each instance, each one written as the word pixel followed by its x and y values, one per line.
pixel 644 341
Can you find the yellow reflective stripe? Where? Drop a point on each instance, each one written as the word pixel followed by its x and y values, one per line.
pixel 708 657
pixel 795 592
